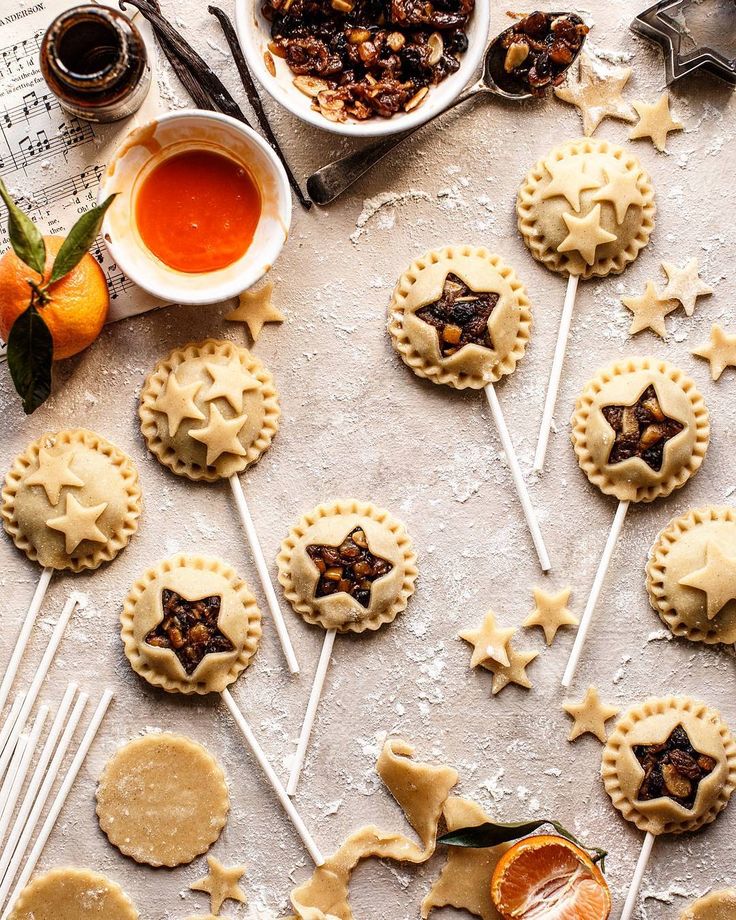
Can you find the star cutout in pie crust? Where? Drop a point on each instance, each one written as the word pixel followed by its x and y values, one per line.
pixel 221 884
pixel 717 579
pixel 490 642
pixel 589 716
pixel 655 121
pixel 176 402
pixel 551 613
pixel 79 523
pixel 585 234
pixel 568 180
pixel 650 310
pixel 642 429
pixel 622 191
pixel 255 309
pixel 684 284
pixel 229 381
pixel 514 673
pixel 220 435
pixel 720 351
pixel 597 95
pixel 190 629
pixel 53 474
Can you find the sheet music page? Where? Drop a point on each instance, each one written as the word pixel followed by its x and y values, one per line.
pixel 51 161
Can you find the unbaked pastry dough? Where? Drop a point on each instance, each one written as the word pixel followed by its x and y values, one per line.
pixel 586 209
pixel 720 351
pixel 514 672
pixel 655 121
pixel 209 410
pixel 623 384
pixel 551 612
pixel 589 715
pixel 490 642
pixel 159 655
pixel 716 905
pixel 221 884
pixel 652 723
pixel 597 92
pixel 649 310
pixel 691 575
pixel 255 309
pixel 162 800
pixel 71 500
pixel 684 284
pixel 452 277
pixel 73 894
pixel 341 523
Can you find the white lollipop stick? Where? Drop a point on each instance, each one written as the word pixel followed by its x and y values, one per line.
pixel 518 477
pixel 556 373
pixel 311 713
pixel 9 800
pixel 263 574
pixel 13 770
pixel 641 868
pixel 61 797
pixel 9 723
pixel 25 632
pixel 595 592
pixel 272 778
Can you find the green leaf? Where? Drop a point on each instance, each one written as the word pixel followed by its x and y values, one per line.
pixel 79 240
pixel 30 355
pixel 25 237
pixel 493 833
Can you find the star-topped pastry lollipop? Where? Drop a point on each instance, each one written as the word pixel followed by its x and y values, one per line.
pixel 209 410
pixel 585 210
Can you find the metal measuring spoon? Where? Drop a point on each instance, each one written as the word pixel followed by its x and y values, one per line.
pixel 332 180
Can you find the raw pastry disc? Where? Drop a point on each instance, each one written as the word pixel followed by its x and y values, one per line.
pixel 73 894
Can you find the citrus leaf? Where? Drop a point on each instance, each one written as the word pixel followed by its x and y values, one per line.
pixel 79 240
pixel 25 237
pixel 30 354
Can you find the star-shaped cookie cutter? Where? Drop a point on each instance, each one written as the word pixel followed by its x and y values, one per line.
pixel 661 25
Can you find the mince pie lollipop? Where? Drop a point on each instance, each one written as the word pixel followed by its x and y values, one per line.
pixel 640 430
pixel 461 317
pixel 209 410
pixel 347 566
pixel 585 210
pixel 669 767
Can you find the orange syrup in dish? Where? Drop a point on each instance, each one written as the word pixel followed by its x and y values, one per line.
pixel 197 211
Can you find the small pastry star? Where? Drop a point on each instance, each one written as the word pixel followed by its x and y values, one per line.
pixel 684 284
pixel 590 716
pixel 229 381
pixel 221 884
pixel 621 190
pixel 597 94
pixel 514 673
pixel 220 435
pixel 79 523
pixel 568 181
pixel 585 234
pixel 176 402
pixel 649 310
pixel 655 121
pixel 550 613
pixel 717 579
pixel 53 474
pixel 720 351
pixel 255 309
pixel 490 642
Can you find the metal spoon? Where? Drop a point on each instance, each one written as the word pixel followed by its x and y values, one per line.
pixel 332 180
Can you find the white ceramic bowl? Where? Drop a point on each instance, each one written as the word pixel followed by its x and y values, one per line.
pixel 254 34
pixel 172 133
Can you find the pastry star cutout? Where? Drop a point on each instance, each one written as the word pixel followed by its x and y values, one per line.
pixel 221 884
pixel 590 716
pixel 255 309
pixel 177 403
pixel 53 474
pixel 229 381
pixel 684 284
pixel 79 523
pixel 655 121
pixel 569 179
pixel 515 673
pixel 585 234
pixel 717 579
pixel 550 613
pixel 622 191
pixel 649 310
pixel 597 94
pixel 220 436
pixel 720 351
pixel 490 642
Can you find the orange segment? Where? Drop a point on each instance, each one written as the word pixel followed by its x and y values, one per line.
pixel 549 877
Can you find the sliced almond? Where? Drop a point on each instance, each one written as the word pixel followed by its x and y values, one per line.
pixel 269 62
pixel 310 86
pixel 416 100
pixel 436 48
pixel 516 55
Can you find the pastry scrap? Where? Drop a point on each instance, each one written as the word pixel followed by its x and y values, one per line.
pixel 684 284
pixel 221 884
pixel 597 93
pixel 589 715
pixel 73 894
pixel 490 642
pixel 162 800
pixel 71 500
pixel 691 575
pixel 655 121
pixel 716 905
pixel 514 672
pixel 551 613
pixel 649 310
pixel 255 309
pixel 720 352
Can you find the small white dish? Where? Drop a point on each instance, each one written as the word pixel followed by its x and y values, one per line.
pixel 174 133
pixel 254 34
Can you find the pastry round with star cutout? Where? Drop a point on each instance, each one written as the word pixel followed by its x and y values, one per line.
pixel 190 624
pixel 640 429
pixel 71 500
pixel 348 566
pixel 69 893
pixel 670 765
pixel 209 410
pixel 460 316
pixel 691 575
pixel 586 209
